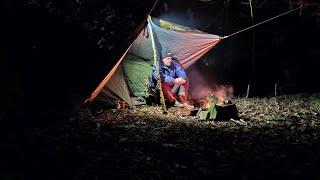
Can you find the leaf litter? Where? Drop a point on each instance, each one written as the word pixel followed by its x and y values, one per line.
pixel 279 137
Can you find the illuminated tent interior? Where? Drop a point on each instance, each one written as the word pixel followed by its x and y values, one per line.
pixel 130 75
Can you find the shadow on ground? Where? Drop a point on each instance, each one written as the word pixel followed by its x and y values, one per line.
pixel 144 144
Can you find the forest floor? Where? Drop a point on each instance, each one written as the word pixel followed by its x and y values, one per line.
pixel 281 139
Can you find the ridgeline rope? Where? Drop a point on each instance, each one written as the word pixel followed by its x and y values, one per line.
pixel 224 37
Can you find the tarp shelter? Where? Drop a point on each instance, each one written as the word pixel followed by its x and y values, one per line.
pixel 129 76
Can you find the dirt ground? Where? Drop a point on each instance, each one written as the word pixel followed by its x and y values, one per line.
pixel 280 140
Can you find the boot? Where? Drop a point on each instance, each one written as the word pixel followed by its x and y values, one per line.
pixel 184 102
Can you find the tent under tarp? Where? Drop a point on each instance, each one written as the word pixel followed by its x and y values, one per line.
pixel 137 72
pixel 129 76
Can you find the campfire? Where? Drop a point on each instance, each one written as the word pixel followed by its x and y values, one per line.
pixel 218 105
pixel 220 96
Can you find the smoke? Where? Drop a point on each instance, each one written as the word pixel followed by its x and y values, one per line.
pixel 223 92
pixel 204 84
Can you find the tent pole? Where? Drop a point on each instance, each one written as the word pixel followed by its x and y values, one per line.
pixel 155 63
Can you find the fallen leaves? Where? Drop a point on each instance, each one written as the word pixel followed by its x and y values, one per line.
pixel 143 143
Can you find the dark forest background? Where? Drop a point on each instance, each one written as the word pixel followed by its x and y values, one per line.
pixel 54 53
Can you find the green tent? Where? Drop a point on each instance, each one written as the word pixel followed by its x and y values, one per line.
pixel 130 75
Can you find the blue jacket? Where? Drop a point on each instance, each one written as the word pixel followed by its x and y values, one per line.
pixel 168 74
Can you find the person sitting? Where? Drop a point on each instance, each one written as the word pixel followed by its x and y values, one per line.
pixel 174 82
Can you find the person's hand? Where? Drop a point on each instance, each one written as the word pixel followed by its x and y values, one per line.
pixel 179 81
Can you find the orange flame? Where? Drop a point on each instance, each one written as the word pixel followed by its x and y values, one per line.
pixel 223 92
pixel 205 103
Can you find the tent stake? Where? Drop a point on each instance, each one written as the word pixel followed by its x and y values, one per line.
pixel 248 91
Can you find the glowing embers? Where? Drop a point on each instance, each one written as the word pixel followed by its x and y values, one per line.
pixel 220 111
pixel 218 106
